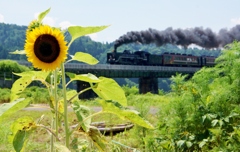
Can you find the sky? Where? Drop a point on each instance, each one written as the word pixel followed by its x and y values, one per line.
pixel 125 15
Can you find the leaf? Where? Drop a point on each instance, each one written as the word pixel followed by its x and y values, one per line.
pixel 214 122
pixel 124 113
pixel 19 140
pixel 83 77
pixel 226 119
pixel 36 74
pixel 82 112
pixel 202 143
pixel 78 31
pixel 189 144
pixel 192 137
pixel 84 57
pixel 26 78
pixel 180 143
pixel 97 138
pixel 208 117
pixel 43 14
pixel 70 94
pixel 216 131
pixel 108 89
pixel 221 123
pixel 7 109
pixel 233 115
pixel 21 130
pixel 203 118
pixel 61 148
pixel 19 86
pixel 21 52
pixel 165 144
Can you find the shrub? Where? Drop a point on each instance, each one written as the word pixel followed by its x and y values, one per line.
pixel 12 66
pixel 133 90
pixel 38 94
pixel 203 113
pixel 4 95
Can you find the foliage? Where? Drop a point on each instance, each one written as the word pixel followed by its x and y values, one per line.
pixel 12 66
pixel 13 37
pixel 4 95
pixel 152 99
pixel 39 95
pixel 112 100
pixel 203 113
pixel 133 90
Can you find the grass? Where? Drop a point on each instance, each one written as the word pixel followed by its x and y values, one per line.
pixel 40 139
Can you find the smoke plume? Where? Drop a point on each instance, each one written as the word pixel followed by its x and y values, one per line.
pixel 205 38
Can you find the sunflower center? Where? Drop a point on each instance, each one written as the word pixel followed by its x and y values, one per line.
pixel 46 48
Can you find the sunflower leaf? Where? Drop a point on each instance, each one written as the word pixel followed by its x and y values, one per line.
pixel 21 129
pixel 97 138
pixel 78 31
pixel 108 89
pixel 43 14
pixel 26 78
pixel 21 52
pixel 83 77
pixel 20 140
pixel 82 112
pixel 7 109
pixel 124 113
pixel 71 94
pixel 85 57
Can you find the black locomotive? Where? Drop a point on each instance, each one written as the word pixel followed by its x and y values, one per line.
pixel 166 59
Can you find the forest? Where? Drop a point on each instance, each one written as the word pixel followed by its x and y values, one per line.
pixel 12 38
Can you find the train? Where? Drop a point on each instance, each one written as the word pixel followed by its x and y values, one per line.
pixel 165 59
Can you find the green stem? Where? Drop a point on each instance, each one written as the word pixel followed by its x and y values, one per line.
pixel 51 131
pixel 52 138
pixel 52 123
pixel 67 135
pixel 56 102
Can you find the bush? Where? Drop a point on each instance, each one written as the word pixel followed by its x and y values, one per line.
pixel 38 94
pixel 203 113
pixel 133 90
pixel 12 66
pixel 149 98
pixel 5 95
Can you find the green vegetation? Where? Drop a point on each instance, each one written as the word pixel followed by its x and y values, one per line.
pixel 7 67
pixel 5 95
pixel 13 38
pixel 203 112
pixel 63 137
pixel 199 114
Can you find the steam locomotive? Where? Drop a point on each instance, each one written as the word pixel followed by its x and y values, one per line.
pixel 166 59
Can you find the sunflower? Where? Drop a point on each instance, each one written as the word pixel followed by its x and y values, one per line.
pixel 45 47
pixel 34 24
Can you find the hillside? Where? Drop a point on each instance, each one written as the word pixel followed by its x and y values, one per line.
pixel 12 37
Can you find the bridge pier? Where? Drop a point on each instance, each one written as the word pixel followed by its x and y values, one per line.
pixel 148 84
pixel 81 85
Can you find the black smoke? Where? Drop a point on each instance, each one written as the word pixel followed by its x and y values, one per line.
pixel 205 38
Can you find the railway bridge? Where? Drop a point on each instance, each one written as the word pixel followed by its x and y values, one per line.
pixel 148 75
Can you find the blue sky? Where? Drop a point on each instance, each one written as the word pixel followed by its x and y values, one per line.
pixel 125 15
